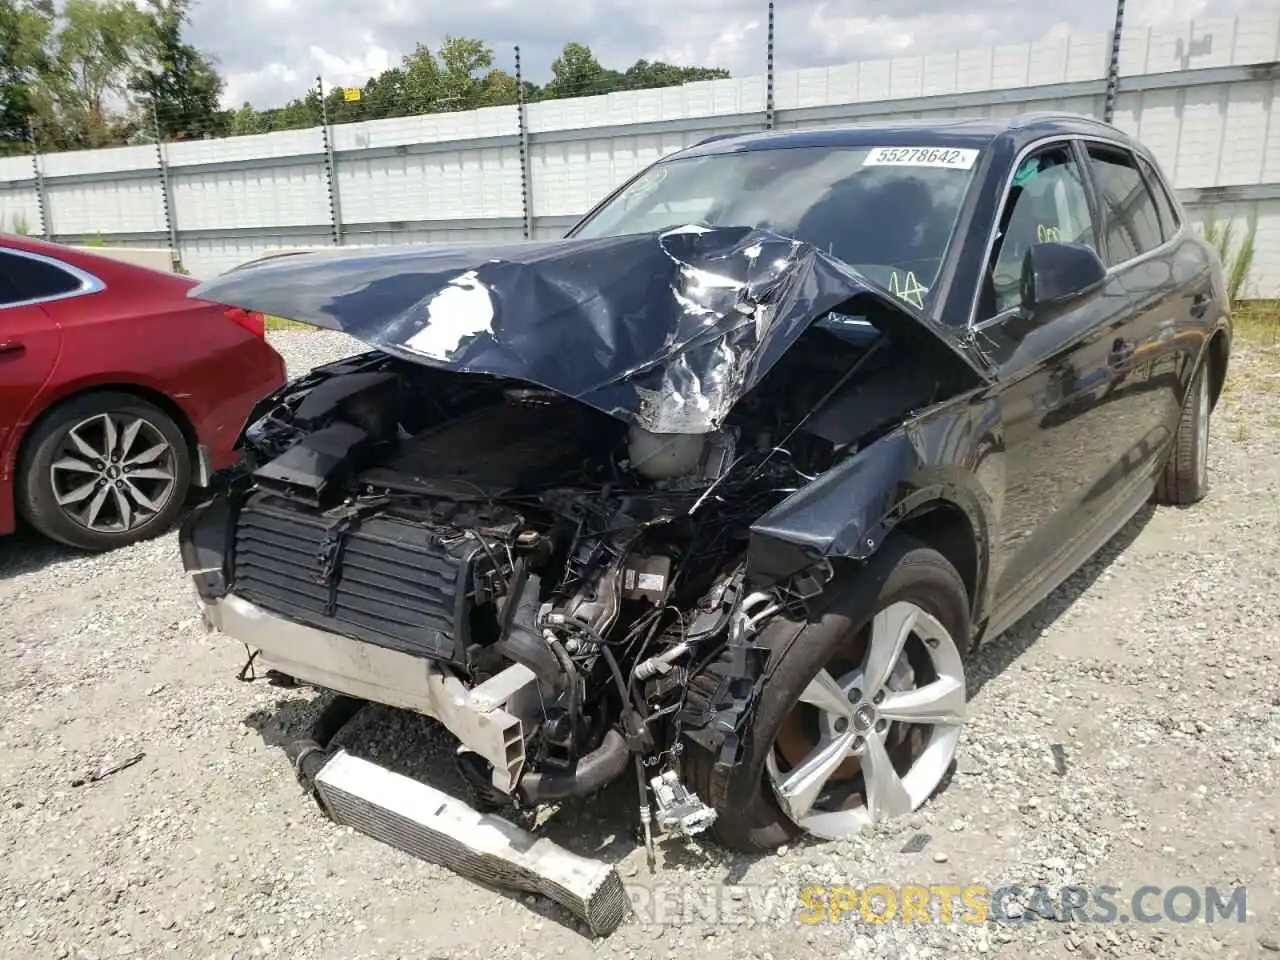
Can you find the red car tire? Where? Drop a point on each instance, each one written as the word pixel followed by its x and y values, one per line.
pixel 103 470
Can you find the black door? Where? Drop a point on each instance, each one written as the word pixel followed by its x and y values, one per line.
pixel 1164 272
pixel 1061 445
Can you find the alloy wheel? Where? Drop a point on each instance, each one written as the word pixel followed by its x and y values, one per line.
pixel 113 472
pixel 874 733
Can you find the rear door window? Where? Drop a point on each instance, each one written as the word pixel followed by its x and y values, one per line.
pixel 1132 223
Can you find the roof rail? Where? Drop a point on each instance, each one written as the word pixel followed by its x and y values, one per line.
pixel 1031 116
pixel 716 136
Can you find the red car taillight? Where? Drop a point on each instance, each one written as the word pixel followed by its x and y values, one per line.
pixel 255 323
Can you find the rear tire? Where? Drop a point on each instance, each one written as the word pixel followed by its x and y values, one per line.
pixel 1185 479
pixel 751 817
pixel 104 470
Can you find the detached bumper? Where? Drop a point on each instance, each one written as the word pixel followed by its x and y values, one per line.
pixel 434 826
pixel 489 718
pixel 486 718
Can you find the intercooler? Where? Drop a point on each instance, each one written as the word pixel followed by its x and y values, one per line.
pixel 379 578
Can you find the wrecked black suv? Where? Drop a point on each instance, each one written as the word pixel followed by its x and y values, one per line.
pixel 720 490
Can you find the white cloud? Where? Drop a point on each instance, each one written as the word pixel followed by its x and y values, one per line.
pixel 731 44
pixel 340 71
pixel 266 85
pixel 271 50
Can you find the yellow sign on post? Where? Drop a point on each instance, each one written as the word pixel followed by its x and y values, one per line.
pixel 350 94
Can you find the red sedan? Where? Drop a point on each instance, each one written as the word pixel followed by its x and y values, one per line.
pixel 117 392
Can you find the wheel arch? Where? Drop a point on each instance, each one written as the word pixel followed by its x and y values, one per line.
pixel 927 486
pixel 1216 356
pixel 947 527
pixel 148 394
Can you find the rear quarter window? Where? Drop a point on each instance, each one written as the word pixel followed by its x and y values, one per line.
pixel 24 278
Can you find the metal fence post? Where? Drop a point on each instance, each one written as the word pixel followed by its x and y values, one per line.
pixel 330 173
pixel 768 75
pixel 166 197
pixel 42 198
pixel 1113 67
pixel 526 211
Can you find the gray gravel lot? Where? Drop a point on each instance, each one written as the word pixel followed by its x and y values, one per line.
pixel 1127 732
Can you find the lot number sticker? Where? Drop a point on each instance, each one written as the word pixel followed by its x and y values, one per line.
pixel 947 157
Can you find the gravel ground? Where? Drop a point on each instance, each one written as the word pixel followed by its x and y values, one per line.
pixel 1127 732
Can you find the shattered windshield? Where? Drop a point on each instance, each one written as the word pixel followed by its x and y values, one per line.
pixel 887 211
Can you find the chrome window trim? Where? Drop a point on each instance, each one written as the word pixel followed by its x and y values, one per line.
pixel 1048 141
pixel 88 283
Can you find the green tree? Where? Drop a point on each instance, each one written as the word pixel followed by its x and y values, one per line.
pixel 496 88
pixel 176 80
pixel 421 80
pixel 577 73
pixel 461 58
pixel 297 114
pixel 246 120
pixel 386 95
pixel 94 51
pixel 645 74
pixel 341 110
pixel 459 75
pixel 25 26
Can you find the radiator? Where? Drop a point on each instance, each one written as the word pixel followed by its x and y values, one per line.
pixel 391 582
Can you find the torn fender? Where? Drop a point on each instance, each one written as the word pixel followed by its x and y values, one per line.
pixel 848 511
pixel 665 330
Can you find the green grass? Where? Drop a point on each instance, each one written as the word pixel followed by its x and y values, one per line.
pixel 280 323
pixel 1237 259
pixel 1257 322
pixel 1254 374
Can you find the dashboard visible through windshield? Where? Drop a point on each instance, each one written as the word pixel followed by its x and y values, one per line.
pixel 889 212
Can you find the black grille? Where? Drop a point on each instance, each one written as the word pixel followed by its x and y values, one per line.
pixel 394 583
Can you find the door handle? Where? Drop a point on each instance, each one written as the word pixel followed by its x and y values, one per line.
pixel 12 347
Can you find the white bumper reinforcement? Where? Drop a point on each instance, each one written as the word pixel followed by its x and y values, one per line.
pixel 486 719
pixel 422 821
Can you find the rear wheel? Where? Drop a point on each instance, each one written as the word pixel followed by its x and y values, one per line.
pixel 860 714
pixel 1186 474
pixel 104 470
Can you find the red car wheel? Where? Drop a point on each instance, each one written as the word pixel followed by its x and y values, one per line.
pixel 104 470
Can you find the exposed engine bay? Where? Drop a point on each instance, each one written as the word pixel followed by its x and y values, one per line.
pixel 569 569
pixel 574 502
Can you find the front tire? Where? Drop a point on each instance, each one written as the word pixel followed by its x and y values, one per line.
pixel 1185 479
pixel 860 712
pixel 104 470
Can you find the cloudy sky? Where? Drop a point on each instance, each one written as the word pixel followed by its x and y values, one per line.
pixel 270 49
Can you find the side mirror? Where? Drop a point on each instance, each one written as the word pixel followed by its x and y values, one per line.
pixel 1056 273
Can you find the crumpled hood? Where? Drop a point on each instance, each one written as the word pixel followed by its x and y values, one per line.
pixel 665 330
